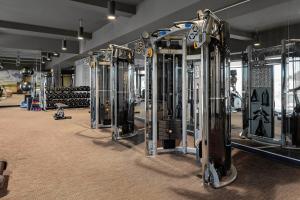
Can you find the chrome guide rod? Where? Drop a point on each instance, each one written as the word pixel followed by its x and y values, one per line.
pixel 174 86
pixel 205 113
pixel 164 85
pixel 146 109
pixel 249 54
pixel 154 101
pixel 184 97
pixel 283 93
pixel 97 93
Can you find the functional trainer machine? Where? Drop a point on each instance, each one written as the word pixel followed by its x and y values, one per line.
pixel 101 115
pixel 212 80
pixel 112 91
pixel 169 94
pixel 205 50
pixel 122 86
pixel 275 138
pixel 260 86
pixel 259 119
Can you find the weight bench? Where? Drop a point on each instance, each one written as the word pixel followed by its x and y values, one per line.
pixel 60 114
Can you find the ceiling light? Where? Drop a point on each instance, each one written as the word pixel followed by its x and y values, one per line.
pixel 64 45
pixel 257 44
pixel 55 54
pixel 111 17
pixel 80 31
pixel 48 57
pixel 43 60
pixel 18 61
pixel 256 40
pixel 111 5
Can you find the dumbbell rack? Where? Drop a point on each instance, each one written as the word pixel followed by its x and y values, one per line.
pixel 73 97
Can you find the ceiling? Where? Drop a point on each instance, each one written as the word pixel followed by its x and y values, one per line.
pixel 19 58
pixel 59 14
pixel 42 24
pixel 23 53
pixel 260 18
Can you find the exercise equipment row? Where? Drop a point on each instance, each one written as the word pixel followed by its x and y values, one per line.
pixel 67 89
pixel 69 95
pixel 71 103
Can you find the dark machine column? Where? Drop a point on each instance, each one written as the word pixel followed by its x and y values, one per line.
pixel 215 122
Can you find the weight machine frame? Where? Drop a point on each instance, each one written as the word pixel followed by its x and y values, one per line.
pixel 256 60
pixel 125 55
pixel 284 54
pixel 175 33
pixel 212 110
pixel 212 37
pixel 100 59
pixel 285 143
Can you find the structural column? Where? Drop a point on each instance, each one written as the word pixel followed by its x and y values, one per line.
pixel 57 76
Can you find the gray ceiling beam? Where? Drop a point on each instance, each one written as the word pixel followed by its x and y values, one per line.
pixel 12 66
pixel 41 29
pixel 2 58
pixel 33 45
pixel 123 7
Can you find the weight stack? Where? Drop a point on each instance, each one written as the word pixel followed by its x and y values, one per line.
pixel 169 131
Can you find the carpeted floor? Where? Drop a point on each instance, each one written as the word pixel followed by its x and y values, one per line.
pixel 14 100
pixel 62 160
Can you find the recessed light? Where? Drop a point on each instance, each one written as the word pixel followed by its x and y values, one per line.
pixel 80 31
pixel 111 17
pixel 111 5
pixel 64 45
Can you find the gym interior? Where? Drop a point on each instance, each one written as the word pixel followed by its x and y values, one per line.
pixel 149 99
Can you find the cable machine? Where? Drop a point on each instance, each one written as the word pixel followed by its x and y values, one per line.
pixel 122 86
pixel 291 93
pixel 212 80
pixel 260 84
pixel 172 94
pixel 169 92
pixel 268 131
pixel 101 115
pixel 260 106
